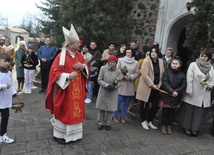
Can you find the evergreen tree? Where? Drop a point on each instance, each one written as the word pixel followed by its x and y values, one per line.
pixel 51 10
pixel 200 29
pixel 104 22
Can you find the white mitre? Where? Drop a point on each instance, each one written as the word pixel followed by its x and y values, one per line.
pixel 70 37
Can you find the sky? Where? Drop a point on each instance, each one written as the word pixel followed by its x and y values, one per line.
pixel 14 11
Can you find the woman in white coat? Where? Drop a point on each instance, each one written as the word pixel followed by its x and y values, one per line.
pixel 197 100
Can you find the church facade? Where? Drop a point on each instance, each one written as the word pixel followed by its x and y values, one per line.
pixel 162 21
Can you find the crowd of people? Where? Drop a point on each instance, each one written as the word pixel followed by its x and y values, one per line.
pixel 115 76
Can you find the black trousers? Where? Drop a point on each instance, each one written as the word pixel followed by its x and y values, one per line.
pixel 145 112
pixel 167 116
pixel 45 70
pixel 4 120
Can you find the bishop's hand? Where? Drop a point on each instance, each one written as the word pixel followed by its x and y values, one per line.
pixel 73 75
pixel 78 66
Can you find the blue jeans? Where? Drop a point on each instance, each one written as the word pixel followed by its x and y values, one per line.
pixel 90 87
pixel 123 104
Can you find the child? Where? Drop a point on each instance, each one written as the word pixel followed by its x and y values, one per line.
pixel 90 85
pixel 29 61
pixel 107 96
pixel 174 83
pixel 6 92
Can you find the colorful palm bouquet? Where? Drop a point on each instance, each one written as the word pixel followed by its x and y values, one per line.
pixel 203 82
pixel 118 79
pixel 160 90
pixel 124 70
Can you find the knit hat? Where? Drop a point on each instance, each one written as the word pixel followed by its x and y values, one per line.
pixel 70 36
pixel 22 43
pixel 30 46
pixel 112 58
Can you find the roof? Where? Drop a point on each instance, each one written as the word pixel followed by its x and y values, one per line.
pixel 17 30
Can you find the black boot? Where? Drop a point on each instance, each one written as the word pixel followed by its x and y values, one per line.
pixel 100 127
pixel 108 127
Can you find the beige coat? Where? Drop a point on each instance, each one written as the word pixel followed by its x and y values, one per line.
pixel 106 54
pixel 147 78
pixel 127 87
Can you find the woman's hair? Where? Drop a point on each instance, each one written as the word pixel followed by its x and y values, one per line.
pixel 118 50
pixel 5 56
pixel 178 59
pixel 206 52
pixel 169 49
pixel 130 50
pixel 86 45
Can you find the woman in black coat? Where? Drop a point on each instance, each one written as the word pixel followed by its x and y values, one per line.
pixel 174 83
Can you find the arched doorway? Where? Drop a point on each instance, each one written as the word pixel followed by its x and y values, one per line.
pixel 177 37
pixel 182 51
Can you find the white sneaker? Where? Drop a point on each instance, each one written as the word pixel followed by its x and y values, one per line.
pixel 29 91
pixel 145 125
pixel 152 126
pixel 87 101
pixel 6 139
pixel 26 91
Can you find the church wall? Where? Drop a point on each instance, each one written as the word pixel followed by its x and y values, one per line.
pixel 146 14
pixel 155 18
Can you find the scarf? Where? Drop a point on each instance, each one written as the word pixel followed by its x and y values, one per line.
pixel 128 60
pixel 4 70
pixel 204 67
pixel 8 48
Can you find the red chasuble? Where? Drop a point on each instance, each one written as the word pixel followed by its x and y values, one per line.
pixel 67 105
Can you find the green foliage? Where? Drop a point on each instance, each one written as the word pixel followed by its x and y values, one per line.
pixel 200 29
pixel 51 10
pixel 30 27
pixel 98 20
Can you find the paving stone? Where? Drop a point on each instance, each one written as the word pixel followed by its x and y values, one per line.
pixel 152 150
pixel 37 145
pixel 99 137
pixel 55 151
pixel 35 128
pixel 115 145
pixel 26 137
pixel 178 148
pixel 21 123
pixel 17 130
pixel 135 151
pixel 53 144
pixel 73 150
pixel 29 153
pixel 95 149
pixel 85 140
pixel 206 152
pixel 202 143
pixel 44 134
pixel 14 148
pixel 115 135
